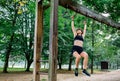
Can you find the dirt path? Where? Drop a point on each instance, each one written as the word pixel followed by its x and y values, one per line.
pixel 108 76
pixel 22 76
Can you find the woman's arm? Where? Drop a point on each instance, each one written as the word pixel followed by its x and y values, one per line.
pixel 73 27
pixel 84 31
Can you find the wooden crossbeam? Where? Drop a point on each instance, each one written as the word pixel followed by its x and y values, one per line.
pixel 43 61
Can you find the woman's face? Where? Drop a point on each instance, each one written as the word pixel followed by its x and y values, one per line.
pixel 79 32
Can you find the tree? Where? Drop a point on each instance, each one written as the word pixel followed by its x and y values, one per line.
pixel 13 17
pixel 21 29
pixel 26 32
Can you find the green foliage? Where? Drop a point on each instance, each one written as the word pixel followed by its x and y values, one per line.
pixel 106 39
pixel 116 42
pixel 110 7
pixel 23 29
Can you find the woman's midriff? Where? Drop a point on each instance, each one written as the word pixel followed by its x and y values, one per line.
pixel 78 43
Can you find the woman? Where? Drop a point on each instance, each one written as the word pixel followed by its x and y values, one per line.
pixel 77 49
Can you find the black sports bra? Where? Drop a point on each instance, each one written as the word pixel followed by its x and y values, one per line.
pixel 78 37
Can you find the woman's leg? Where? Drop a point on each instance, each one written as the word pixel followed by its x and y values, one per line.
pixel 85 61
pixel 77 60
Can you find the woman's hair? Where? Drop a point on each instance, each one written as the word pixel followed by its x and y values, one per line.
pixel 80 30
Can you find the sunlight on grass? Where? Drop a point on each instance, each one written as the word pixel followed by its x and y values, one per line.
pixel 44 80
pixel 62 71
pixel 15 69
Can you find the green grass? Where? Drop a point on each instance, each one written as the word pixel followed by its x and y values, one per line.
pixel 14 69
pixel 46 70
pixel 44 80
pixel 22 70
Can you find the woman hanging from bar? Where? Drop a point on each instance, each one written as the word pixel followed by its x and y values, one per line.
pixel 77 49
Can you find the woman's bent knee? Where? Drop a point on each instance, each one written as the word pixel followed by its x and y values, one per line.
pixel 78 57
pixel 84 55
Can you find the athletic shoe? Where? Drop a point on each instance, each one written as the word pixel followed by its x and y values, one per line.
pixel 85 72
pixel 76 71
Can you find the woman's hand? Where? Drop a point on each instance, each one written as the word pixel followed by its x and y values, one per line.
pixel 72 18
pixel 84 22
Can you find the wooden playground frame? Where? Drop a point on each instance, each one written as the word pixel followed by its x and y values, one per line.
pixel 38 35
pixel 53 40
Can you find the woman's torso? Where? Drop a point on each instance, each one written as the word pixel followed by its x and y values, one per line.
pixel 78 40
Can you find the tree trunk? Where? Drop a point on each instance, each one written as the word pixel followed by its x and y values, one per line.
pixel 60 62
pixel 117 64
pixel 92 47
pixel 92 65
pixel 25 66
pixel 29 62
pixel 70 63
pixel 88 12
pixel 60 65
pixel 13 65
pixel 9 48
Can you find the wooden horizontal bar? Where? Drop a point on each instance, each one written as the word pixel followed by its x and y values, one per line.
pixel 42 61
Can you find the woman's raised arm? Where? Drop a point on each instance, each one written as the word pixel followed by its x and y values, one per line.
pixel 84 31
pixel 73 27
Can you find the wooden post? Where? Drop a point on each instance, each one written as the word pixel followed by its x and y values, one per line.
pixel 53 41
pixel 38 40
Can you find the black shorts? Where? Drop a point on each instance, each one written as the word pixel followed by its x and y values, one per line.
pixel 77 49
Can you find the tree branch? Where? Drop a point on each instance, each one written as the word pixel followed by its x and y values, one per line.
pixel 88 12
pixel 46 6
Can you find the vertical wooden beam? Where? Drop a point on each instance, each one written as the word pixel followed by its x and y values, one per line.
pixel 53 41
pixel 38 40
